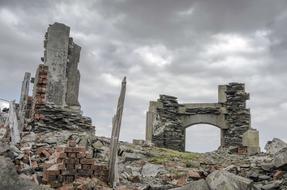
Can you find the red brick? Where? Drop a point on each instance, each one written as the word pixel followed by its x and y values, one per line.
pixel 278 174
pixel 89 155
pixel 72 143
pixel 72 155
pixel 86 166
pixel 75 149
pixel 78 166
pixel 60 149
pixel 71 161
pixel 87 161
pixel 81 155
pixel 61 154
pixel 69 172
pixel 82 172
pixel 70 166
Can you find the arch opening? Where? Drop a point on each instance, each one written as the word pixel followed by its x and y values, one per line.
pixel 202 138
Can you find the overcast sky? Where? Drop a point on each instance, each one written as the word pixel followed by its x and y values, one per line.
pixel 183 48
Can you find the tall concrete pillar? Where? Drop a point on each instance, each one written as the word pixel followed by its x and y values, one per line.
pixel 56 58
pixel 24 99
pixel 73 76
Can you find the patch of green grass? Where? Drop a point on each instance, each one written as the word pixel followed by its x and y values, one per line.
pixel 162 155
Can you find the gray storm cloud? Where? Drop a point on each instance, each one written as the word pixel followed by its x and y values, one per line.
pixel 183 48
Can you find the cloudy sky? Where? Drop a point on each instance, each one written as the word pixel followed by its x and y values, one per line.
pixel 183 48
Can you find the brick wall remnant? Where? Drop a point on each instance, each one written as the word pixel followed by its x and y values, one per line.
pixel 71 162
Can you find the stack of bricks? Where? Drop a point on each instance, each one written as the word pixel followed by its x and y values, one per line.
pixel 39 91
pixel 72 162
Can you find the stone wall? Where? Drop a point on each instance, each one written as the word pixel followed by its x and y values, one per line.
pixel 167 120
pixel 237 116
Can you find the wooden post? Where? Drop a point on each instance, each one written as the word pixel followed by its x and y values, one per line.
pixel 113 177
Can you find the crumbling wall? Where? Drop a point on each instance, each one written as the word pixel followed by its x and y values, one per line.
pixel 237 116
pixel 167 119
pixel 39 91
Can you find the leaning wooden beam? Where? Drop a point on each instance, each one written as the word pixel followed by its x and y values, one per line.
pixel 117 119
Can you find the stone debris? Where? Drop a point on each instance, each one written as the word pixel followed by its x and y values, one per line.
pixel 223 180
pixel 280 158
pixel 52 117
pixel 274 146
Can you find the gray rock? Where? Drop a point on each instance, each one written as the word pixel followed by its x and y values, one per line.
pixel 10 179
pixel 267 166
pixel 271 186
pixel 280 158
pixel 132 156
pixel 223 180
pixel 195 185
pixel 274 146
pixel 151 170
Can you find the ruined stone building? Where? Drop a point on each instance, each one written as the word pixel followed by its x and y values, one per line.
pixel 54 102
pixel 167 120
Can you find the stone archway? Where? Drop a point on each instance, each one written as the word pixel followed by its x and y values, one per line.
pixel 167 119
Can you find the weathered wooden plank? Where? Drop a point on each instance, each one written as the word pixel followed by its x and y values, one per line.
pixel 113 177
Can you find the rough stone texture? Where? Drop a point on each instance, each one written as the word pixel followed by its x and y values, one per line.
pixel 10 179
pixel 73 75
pixel 223 180
pixel 280 158
pixel 22 112
pixel 56 57
pixel 151 170
pixel 62 57
pixel 251 140
pixel 195 185
pixel 54 117
pixel 274 146
pixel 237 116
pixel 167 119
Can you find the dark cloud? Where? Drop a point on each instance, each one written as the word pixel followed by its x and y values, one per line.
pixel 183 48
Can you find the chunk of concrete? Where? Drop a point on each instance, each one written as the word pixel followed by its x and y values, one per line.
pixel 251 139
pixel 195 185
pixel 151 170
pixel 274 146
pixel 280 158
pixel 223 180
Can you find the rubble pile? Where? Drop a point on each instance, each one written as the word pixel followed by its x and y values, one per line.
pixel 72 162
pixel 52 117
